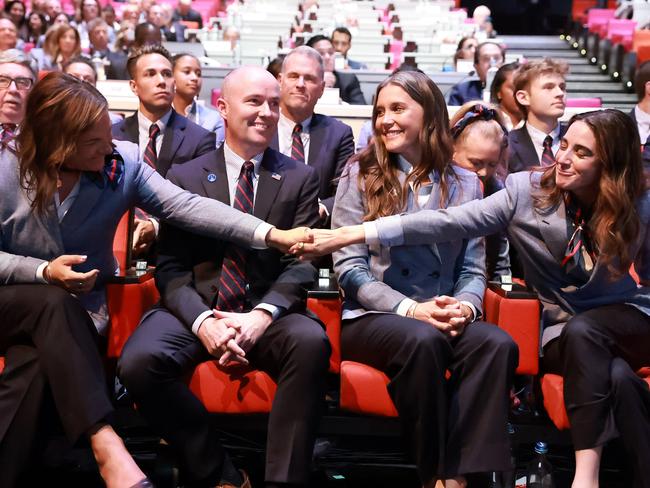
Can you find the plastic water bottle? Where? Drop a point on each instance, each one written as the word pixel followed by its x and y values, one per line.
pixel 540 472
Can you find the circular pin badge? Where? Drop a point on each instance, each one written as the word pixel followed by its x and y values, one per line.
pixel 212 177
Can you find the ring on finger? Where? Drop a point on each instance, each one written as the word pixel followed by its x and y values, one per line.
pixel 301 246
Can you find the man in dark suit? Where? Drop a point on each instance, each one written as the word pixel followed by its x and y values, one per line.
pixel 347 83
pixel 171 31
pixel 114 62
pixel 540 93
pixel 266 325
pixel 184 11
pixel 640 114
pixel 342 42
pixel 488 54
pixel 322 142
pixel 163 136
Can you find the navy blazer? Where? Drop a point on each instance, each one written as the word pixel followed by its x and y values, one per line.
pixel 521 150
pixel 349 88
pixel 465 91
pixel 183 140
pixel 188 268
pixel 331 144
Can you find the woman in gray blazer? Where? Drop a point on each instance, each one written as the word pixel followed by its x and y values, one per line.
pixel 578 227
pixel 62 198
pixel 412 312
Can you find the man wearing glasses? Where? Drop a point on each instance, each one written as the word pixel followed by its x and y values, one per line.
pixel 16 80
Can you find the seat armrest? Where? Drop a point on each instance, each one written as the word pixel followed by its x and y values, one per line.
pixel 325 302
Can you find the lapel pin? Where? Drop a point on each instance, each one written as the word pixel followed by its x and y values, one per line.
pixel 276 176
pixel 212 177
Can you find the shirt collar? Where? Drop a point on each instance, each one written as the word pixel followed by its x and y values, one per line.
pixel 641 116
pixel 287 124
pixel 538 136
pixel 234 162
pixel 144 123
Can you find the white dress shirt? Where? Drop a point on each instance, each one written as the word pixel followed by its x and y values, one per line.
pixel 642 123
pixel 143 131
pixel 285 135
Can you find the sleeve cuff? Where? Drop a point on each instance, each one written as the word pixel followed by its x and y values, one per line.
pixel 389 231
pixel 259 237
pixel 321 205
pixel 404 306
pixel 274 310
pixel 370 230
pixel 472 308
pixel 199 320
pixel 40 277
pixel 156 226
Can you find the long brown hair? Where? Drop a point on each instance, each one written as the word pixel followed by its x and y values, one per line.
pixel 614 221
pixel 53 37
pixel 59 109
pixel 378 174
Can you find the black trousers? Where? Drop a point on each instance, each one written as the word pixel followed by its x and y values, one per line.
pixel 50 346
pixel 598 353
pixel 294 351
pixel 456 426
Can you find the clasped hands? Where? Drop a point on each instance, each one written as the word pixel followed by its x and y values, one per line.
pixel 230 335
pixel 445 313
pixel 309 243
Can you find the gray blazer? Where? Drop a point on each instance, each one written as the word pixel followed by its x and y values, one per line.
pixel 376 278
pixel 540 239
pixel 28 239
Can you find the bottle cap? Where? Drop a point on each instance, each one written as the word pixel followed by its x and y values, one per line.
pixel 541 447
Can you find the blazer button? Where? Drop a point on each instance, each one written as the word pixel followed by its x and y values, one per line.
pixel 405 272
pixel 435 275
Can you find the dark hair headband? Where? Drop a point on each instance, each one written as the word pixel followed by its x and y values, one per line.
pixel 474 114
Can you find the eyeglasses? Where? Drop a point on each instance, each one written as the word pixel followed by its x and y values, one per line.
pixel 21 82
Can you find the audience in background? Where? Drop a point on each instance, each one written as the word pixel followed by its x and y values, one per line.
pixel 482 17
pixel 502 95
pixel 640 114
pixel 275 66
pixel 347 83
pixel 52 8
pixel 320 141
pixel 61 44
pixel 16 80
pixel 146 34
pixel 111 64
pixel 466 49
pixel 540 93
pixel 488 54
pixel 15 11
pixel 342 42
pixel 36 28
pixel 9 35
pixel 174 32
pixel 188 78
pixel 60 19
pixel 90 10
pixel 185 12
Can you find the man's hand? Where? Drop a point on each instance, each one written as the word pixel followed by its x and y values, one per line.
pixel 284 239
pixel 144 235
pixel 250 326
pixel 59 272
pixel 217 336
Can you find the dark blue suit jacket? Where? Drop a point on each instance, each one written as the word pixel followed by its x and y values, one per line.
pixel 521 150
pixel 349 88
pixel 188 268
pixel 183 140
pixel 465 91
pixel 331 144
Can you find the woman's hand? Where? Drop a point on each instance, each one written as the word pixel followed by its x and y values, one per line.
pixel 59 272
pixel 326 241
pixel 283 240
pixel 445 313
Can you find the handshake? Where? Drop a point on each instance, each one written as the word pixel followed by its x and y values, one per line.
pixel 307 243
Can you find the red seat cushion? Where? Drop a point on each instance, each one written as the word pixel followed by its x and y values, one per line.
pixel 363 390
pixel 238 390
pixel 553 391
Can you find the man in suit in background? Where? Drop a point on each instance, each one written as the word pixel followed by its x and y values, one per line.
pixel 114 62
pixel 184 11
pixel 259 313
pixel 16 81
pixel 640 114
pixel 171 31
pixel 488 54
pixel 342 42
pixel 347 83
pixel 163 136
pixel 322 142
pixel 540 93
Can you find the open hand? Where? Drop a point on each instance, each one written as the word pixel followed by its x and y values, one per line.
pixel 59 272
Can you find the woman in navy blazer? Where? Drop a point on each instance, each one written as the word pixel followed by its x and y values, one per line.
pixel 412 311
pixel 578 226
pixel 61 202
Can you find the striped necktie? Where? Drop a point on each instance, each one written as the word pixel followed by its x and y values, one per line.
pixel 150 156
pixel 547 153
pixel 645 154
pixel 297 149
pixel 8 135
pixel 232 281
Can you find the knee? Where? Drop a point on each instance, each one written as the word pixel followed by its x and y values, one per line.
pixel 135 367
pixel 622 376
pixel 504 345
pixel 313 348
pixel 55 298
pixel 425 343
pixel 577 331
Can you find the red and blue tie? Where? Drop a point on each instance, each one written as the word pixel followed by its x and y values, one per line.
pixel 297 149
pixel 150 157
pixel 547 153
pixel 232 282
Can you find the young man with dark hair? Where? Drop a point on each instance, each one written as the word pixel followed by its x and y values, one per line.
pixel 640 114
pixel 342 42
pixel 487 55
